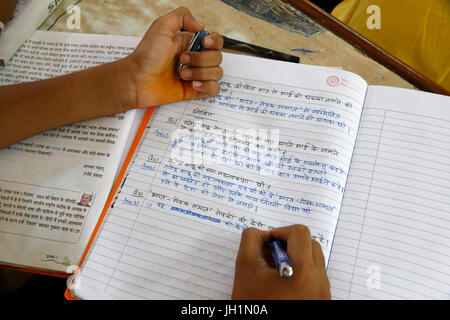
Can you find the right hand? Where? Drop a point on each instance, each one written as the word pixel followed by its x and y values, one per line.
pixel 257 279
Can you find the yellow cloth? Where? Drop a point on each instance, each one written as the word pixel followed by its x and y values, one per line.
pixel 417 32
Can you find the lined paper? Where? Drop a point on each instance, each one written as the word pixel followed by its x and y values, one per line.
pixel 260 154
pixel 392 239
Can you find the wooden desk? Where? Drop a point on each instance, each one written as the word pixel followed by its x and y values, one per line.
pixel 125 18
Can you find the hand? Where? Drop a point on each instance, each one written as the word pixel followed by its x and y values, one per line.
pixel 257 279
pixel 152 65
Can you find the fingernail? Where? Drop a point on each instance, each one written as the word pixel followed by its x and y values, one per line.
pixel 186 73
pixel 209 42
pixel 196 84
pixel 185 59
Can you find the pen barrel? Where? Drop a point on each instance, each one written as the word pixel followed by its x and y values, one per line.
pixel 281 259
pixel 258 51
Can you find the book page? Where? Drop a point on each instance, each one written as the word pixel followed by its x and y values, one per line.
pixel 53 186
pixel 392 239
pixel 272 149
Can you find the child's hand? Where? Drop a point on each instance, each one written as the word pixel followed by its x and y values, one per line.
pixel 152 66
pixel 256 277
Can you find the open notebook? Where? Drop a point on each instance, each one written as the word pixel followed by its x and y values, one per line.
pixel 364 167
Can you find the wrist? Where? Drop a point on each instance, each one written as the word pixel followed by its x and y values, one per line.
pixel 124 84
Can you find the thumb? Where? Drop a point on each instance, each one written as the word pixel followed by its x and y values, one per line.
pixel 178 19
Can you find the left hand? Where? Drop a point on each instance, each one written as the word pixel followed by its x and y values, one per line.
pixel 153 64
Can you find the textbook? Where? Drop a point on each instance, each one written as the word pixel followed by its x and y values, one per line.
pixel 364 167
pixel 53 186
pixel 28 16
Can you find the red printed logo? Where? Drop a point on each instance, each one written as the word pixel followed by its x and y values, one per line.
pixel 333 81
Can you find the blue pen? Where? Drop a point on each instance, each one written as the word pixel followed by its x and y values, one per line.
pixel 281 259
pixel 194 45
pixel 196 41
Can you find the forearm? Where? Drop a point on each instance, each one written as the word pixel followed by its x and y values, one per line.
pixel 147 77
pixel 30 108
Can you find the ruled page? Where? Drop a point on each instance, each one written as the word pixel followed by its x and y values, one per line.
pixel 393 234
pixel 260 154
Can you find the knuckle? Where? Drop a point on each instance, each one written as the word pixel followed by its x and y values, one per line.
pixel 249 232
pixel 300 228
pixel 158 21
pixel 218 39
pixel 220 73
pixel 307 272
pixel 199 73
pixel 216 92
pixel 161 21
pixel 193 58
pixel 182 9
pixel 316 245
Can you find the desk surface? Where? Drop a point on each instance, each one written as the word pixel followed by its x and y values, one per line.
pixel 126 18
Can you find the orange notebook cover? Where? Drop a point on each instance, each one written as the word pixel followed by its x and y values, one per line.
pixel 130 154
pixel 133 147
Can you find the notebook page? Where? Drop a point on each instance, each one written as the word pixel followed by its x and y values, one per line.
pixel 260 154
pixel 43 223
pixel 392 239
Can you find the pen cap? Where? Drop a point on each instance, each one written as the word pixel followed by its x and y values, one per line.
pixel 196 41
pixel 285 270
pixel 194 45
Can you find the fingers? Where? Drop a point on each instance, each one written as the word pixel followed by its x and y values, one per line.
pixel 178 19
pixel 202 74
pixel 317 254
pixel 209 58
pixel 252 245
pixel 299 244
pixel 214 41
pixel 206 89
pixel 203 67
